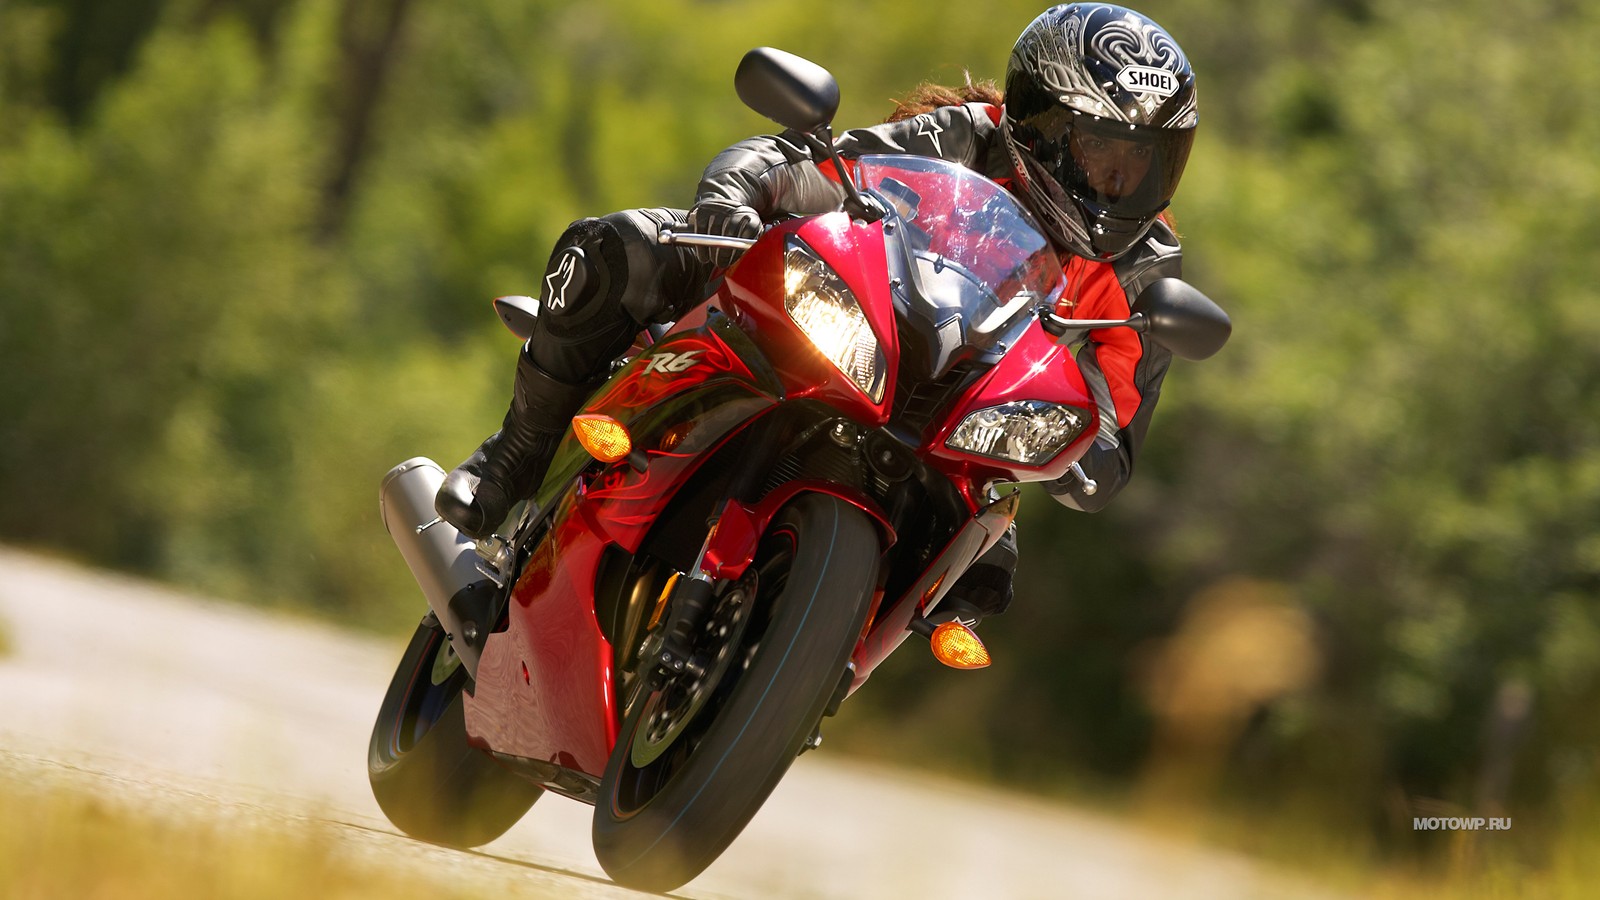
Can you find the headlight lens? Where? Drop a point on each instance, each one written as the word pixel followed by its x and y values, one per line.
pixel 820 303
pixel 1030 432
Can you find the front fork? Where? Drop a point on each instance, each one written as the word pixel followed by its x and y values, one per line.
pixel 686 599
pixel 688 596
pixel 689 600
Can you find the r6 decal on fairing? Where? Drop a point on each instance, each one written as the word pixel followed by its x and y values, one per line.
pixel 671 363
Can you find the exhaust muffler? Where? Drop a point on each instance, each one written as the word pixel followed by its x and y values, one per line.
pixel 444 561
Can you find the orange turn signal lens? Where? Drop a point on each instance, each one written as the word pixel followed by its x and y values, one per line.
pixel 958 647
pixel 605 438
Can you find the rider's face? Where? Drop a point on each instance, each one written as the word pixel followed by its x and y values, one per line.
pixel 1113 168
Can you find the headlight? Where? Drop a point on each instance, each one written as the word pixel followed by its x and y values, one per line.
pixel 1030 432
pixel 818 301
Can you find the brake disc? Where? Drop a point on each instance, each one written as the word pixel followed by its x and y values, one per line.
pixel 680 698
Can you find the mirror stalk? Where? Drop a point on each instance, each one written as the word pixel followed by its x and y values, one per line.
pixel 858 205
pixel 1171 312
pixel 801 96
pixel 1059 327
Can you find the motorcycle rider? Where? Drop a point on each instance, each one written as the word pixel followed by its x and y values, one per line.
pixel 1097 118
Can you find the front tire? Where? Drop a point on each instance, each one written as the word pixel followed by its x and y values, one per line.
pixel 429 781
pixel 663 816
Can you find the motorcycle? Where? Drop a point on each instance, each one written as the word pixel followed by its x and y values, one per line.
pixel 757 508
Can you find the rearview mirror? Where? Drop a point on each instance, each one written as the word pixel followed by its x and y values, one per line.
pixel 1181 319
pixel 792 91
pixel 517 313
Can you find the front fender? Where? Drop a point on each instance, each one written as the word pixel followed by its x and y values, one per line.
pixel 739 527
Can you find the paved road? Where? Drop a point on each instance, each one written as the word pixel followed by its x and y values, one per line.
pixel 189 704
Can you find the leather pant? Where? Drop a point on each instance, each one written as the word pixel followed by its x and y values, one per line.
pixel 607 279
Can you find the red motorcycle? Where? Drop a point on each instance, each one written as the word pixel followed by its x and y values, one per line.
pixel 756 509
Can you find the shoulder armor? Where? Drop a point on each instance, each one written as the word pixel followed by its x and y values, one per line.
pixel 955 133
pixel 1159 255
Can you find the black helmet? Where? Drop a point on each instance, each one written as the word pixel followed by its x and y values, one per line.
pixel 1100 113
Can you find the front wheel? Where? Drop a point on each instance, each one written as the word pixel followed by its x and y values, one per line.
pixel 698 755
pixel 429 781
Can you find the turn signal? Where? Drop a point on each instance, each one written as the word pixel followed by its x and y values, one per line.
pixel 958 647
pixel 605 438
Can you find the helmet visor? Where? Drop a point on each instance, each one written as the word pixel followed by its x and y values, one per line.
pixel 1125 171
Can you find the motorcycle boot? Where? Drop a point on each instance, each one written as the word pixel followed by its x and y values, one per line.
pixel 511 463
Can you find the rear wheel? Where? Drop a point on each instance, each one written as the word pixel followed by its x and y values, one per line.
pixel 698 755
pixel 429 781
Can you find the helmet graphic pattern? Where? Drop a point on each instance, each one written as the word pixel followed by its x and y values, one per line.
pixel 1063 47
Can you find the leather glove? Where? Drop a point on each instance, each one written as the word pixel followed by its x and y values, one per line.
pixel 725 217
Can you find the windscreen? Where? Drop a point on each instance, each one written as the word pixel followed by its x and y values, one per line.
pixel 974 250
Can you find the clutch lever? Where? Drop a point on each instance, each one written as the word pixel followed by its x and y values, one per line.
pixel 693 239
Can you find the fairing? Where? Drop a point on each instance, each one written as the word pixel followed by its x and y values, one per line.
pixel 546 690
pixel 545 685
pixel 855 252
pixel 1036 368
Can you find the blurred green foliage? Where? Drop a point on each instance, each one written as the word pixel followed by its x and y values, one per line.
pixel 246 249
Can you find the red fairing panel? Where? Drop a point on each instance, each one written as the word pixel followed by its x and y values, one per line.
pixel 739 528
pixel 754 289
pixel 676 364
pixel 1036 368
pixel 623 503
pixel 545 684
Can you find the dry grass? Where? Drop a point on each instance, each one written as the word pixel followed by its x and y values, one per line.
pixel 64 841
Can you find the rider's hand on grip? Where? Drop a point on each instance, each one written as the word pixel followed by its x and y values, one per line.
pixel 724 217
